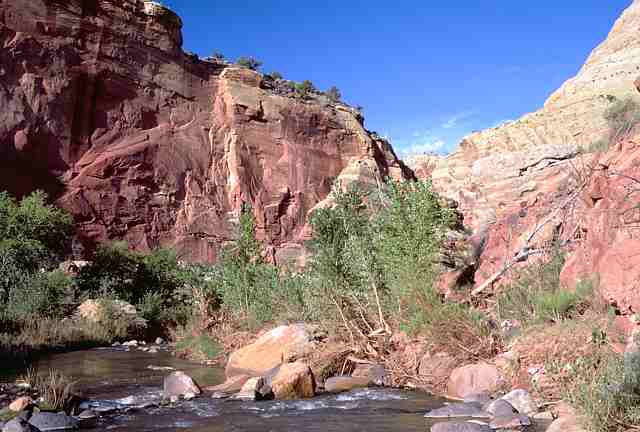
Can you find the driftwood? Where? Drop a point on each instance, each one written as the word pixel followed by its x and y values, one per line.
pixel 526 251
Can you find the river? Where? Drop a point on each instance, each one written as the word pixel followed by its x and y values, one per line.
pixel 115 378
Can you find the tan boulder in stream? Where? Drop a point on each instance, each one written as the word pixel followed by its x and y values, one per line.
pixel 293 381
pixel 275 347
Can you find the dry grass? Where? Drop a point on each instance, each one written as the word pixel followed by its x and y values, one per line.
pixel 556 347
pixel 56 390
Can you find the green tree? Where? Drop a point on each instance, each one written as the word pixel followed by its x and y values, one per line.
pixel 305 89
pixel 249 63
pixel 34 236
pixel 276 75
pixel 247 281
pixel 334 94
pixel 217 55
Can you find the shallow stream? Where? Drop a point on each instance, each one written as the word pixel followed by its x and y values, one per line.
pixel 114 378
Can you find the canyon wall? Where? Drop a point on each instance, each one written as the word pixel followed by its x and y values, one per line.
pixel 145 143
pixel 539 174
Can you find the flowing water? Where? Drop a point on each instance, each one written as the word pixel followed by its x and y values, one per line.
pixel 118 379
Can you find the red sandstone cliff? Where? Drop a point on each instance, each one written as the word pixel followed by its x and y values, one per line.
pixel 142 142
pixel 516 178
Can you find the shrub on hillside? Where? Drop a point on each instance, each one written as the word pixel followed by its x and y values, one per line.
pixel 536 296
pixel 623 116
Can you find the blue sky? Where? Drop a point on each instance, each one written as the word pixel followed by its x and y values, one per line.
pixel 427 72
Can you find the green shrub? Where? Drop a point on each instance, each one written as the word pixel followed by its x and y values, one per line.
pixel 276 75
pixel 536 296
pixel 599 146
pixel 604 388
pixel 153 280
pixel 33 221
pixel 33 237
pixel 151 307
pixel 334 94
pixel 377 262
pixel 304 89
pixel 623 116
pixel 247 284
pixel 249 63
pixel 48 295
pixel 201 347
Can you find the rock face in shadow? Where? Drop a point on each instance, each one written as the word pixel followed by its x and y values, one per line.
pixel 142 142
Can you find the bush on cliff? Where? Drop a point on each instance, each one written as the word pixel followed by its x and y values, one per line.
pixel 334 94
pixel 249 63
pixel 623 117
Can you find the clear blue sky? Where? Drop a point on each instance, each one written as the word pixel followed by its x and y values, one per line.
pixel 427 72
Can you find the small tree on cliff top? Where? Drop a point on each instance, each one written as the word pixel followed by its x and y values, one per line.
pixel 249 63
pixel 334 94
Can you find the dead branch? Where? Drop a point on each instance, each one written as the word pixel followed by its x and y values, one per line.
pixel 525 252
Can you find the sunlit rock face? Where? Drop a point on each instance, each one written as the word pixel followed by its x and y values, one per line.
pixel 142 142
pixel 522 177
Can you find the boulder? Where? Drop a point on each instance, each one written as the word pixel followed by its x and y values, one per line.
pixel 160 341
pixel 19 425
pixel 98 310
pixel 87 419
pixel 522 401
pixel 270 350
pixel 566 424
pixel 255 389
pixel 435 369
pixel 480 398
pixel 179 384
pixel 375 372
pixel 514 421
pixel 345 383
pixel 47 421
pixel 230 386
pixel 471 409
pixel 460 427
pixel 21 404
pixel 500 408
pixel 475 378
pixel 293 381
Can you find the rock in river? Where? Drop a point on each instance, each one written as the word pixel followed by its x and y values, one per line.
pixel 46 421
pixel 266 353
pixel 339 384
pixel 470 409
pixel 460 427
pixel 521 401
pixel 179 384
pixel 294 381
pixel 19 425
